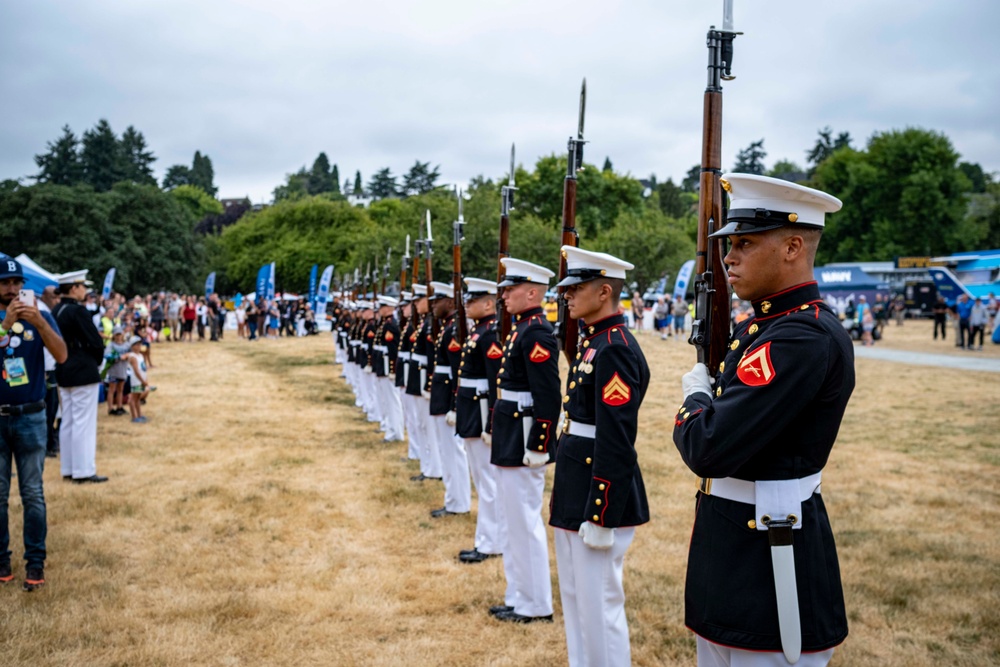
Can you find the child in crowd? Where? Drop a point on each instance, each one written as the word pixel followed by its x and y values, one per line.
pixel 115 354
pixel 138 377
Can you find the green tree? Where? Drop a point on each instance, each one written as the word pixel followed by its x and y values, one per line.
pixel 202 173
pixel 674 201
pixel 335 177
pixel 197 202
pixel 101 156
pixel 826 146
pixel 652 241
pixel 296 186
pixel 137 158
pixel 421 179
pixel 692 179
pixel 61 164
pixel 607 165
pixel 787 170
pixel 359 189
pixel 750 160
pixel 383 184
pixel 320 177
pixel 982 218
pixel 978 178
pixel 176 176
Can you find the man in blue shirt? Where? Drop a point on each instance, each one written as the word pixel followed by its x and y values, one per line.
pixel 24 333
pixel 963 308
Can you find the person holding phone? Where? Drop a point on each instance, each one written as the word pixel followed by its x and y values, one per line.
pixel 24 333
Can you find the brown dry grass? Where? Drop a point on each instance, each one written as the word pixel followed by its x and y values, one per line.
pixel 257 519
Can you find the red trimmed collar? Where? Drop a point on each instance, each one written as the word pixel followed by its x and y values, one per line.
pixel 785 300
pixel 602 325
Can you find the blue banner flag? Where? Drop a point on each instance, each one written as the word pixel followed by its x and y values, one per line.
pixel 263 276
pixel 210 284
pixel 683 276
pixel 270 283
pixel 323 292
pixel 312 285
pixel 109 280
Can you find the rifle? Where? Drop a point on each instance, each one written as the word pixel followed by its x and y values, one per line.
pixel 711 328
pixel 461 324
pixel 404 268
pixel 428 258
pixel 368 279
pixel 357 282
pixel 506 205
pixel 566 327
pixel 416 279
pixel 385 270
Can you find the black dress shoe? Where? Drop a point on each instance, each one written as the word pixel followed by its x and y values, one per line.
pixel 440 512
pixel 466 552
pixel 93 479
pixel 475 556
pixel 68 478
pixel 500 609
pixel 511 617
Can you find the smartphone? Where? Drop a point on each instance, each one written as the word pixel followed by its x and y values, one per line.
pixel 27 297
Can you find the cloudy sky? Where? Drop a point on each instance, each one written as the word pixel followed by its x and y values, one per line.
pixel 263 87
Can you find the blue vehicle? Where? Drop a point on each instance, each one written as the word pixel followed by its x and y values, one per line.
pixel 975 274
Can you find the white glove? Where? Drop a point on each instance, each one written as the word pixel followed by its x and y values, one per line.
pixel 449 418
pixel 534 459
pixel 425 394
pixel 487 438
pixel 597 537
pixel 368 369
pixel 696 381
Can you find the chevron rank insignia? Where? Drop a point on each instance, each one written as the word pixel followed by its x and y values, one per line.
pixel 539 354
pixel 494 352
pixel 371 334
pixel 453 346
pixel 389 337
pixel 616 392
pixel 756 369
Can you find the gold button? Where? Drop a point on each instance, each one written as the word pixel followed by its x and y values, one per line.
pixel 503 370
pixel 753 329
pixel 565 399
pixel 751 524
pixel 540 448
pixel 588 460
pixel 544 425
pixel 804 306
pixel 734 345
pixel 516 414
pixel 498 380
pixel 573 370
pixel 597 518
pixel 718 392
pixel 579 354
pixel 461 363
pixel 597 502
pixel 722 366
pixel 572 384
pixel 600 487
pixel 591 330
pixel 615 330
pixel 586 343
pixel 541 437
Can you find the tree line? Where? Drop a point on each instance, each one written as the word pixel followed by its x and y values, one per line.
pixel 96 204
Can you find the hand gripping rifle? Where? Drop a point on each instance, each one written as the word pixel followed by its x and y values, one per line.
pixel 506 206
pixel 461 324
pixel 711 327
pixel 428 269
pixel 566 327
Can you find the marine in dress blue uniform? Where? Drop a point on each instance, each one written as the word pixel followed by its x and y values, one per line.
pixel 763 576
pixel 524 421
pixel 598 496
pixel 421 367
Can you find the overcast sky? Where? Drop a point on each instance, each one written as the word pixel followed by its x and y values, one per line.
pixel 263 87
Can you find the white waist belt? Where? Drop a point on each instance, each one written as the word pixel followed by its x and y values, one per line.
pixel 482 385
pixel 404 355
pixel 743 491
pixel 522 398
pixel 579 430
pixel 381 348
pixel 442 371
pixel 356 342
pixel 419 358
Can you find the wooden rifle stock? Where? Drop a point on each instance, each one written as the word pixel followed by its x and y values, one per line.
pixel 461 323
pixel 567 333
pixel 506 205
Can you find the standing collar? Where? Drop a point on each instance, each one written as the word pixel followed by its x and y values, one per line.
pixel 785 300
pixel 528 314
pixel 602 325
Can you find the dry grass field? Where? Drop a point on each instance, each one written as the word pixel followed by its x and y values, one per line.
pixel 258 519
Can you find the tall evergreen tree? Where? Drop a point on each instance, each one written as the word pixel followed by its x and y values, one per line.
pixel 176 176
pixel 320 178
pixel 420 179
pixel 607 165
pixel 359 190
pixel 103 162
pixel 672 201
pixel 335 177
pixel 750 160
pixel 61 164
pixel 692 179
pixel 383 184
pixel 825 146
pixel 202 174
pixel 137 159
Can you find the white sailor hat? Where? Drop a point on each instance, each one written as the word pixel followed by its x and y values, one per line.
pixel 405 297
pixel 419 291
pixel 74 277
pixel 584 265
pixel 443 290
pixel 520 271
pixel 760 204
pixel 365 305
pixel 384 300
pixel 478 287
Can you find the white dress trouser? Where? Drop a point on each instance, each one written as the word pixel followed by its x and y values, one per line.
pixel 412 451
pixel 490 528
pixel 414 432
pixel 78 430
pixel 715 655
pixel 370 399
pixel 392 408
pixel 593 600
pixel 454 466
pixel 526 556
pixel 431 453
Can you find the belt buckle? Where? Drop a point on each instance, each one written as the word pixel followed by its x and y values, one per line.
pixel 705 485
pixel 565 430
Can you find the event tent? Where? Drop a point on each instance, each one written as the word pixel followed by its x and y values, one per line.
pixel 35 277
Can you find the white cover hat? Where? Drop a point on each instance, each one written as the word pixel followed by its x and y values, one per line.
pixel 479 287
pixel 73 277
pixel 405 297
pixel 419 291
pixel 583 265
pixel 520 271
pixel 443 290
pixel 761 203
pixel 384 300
